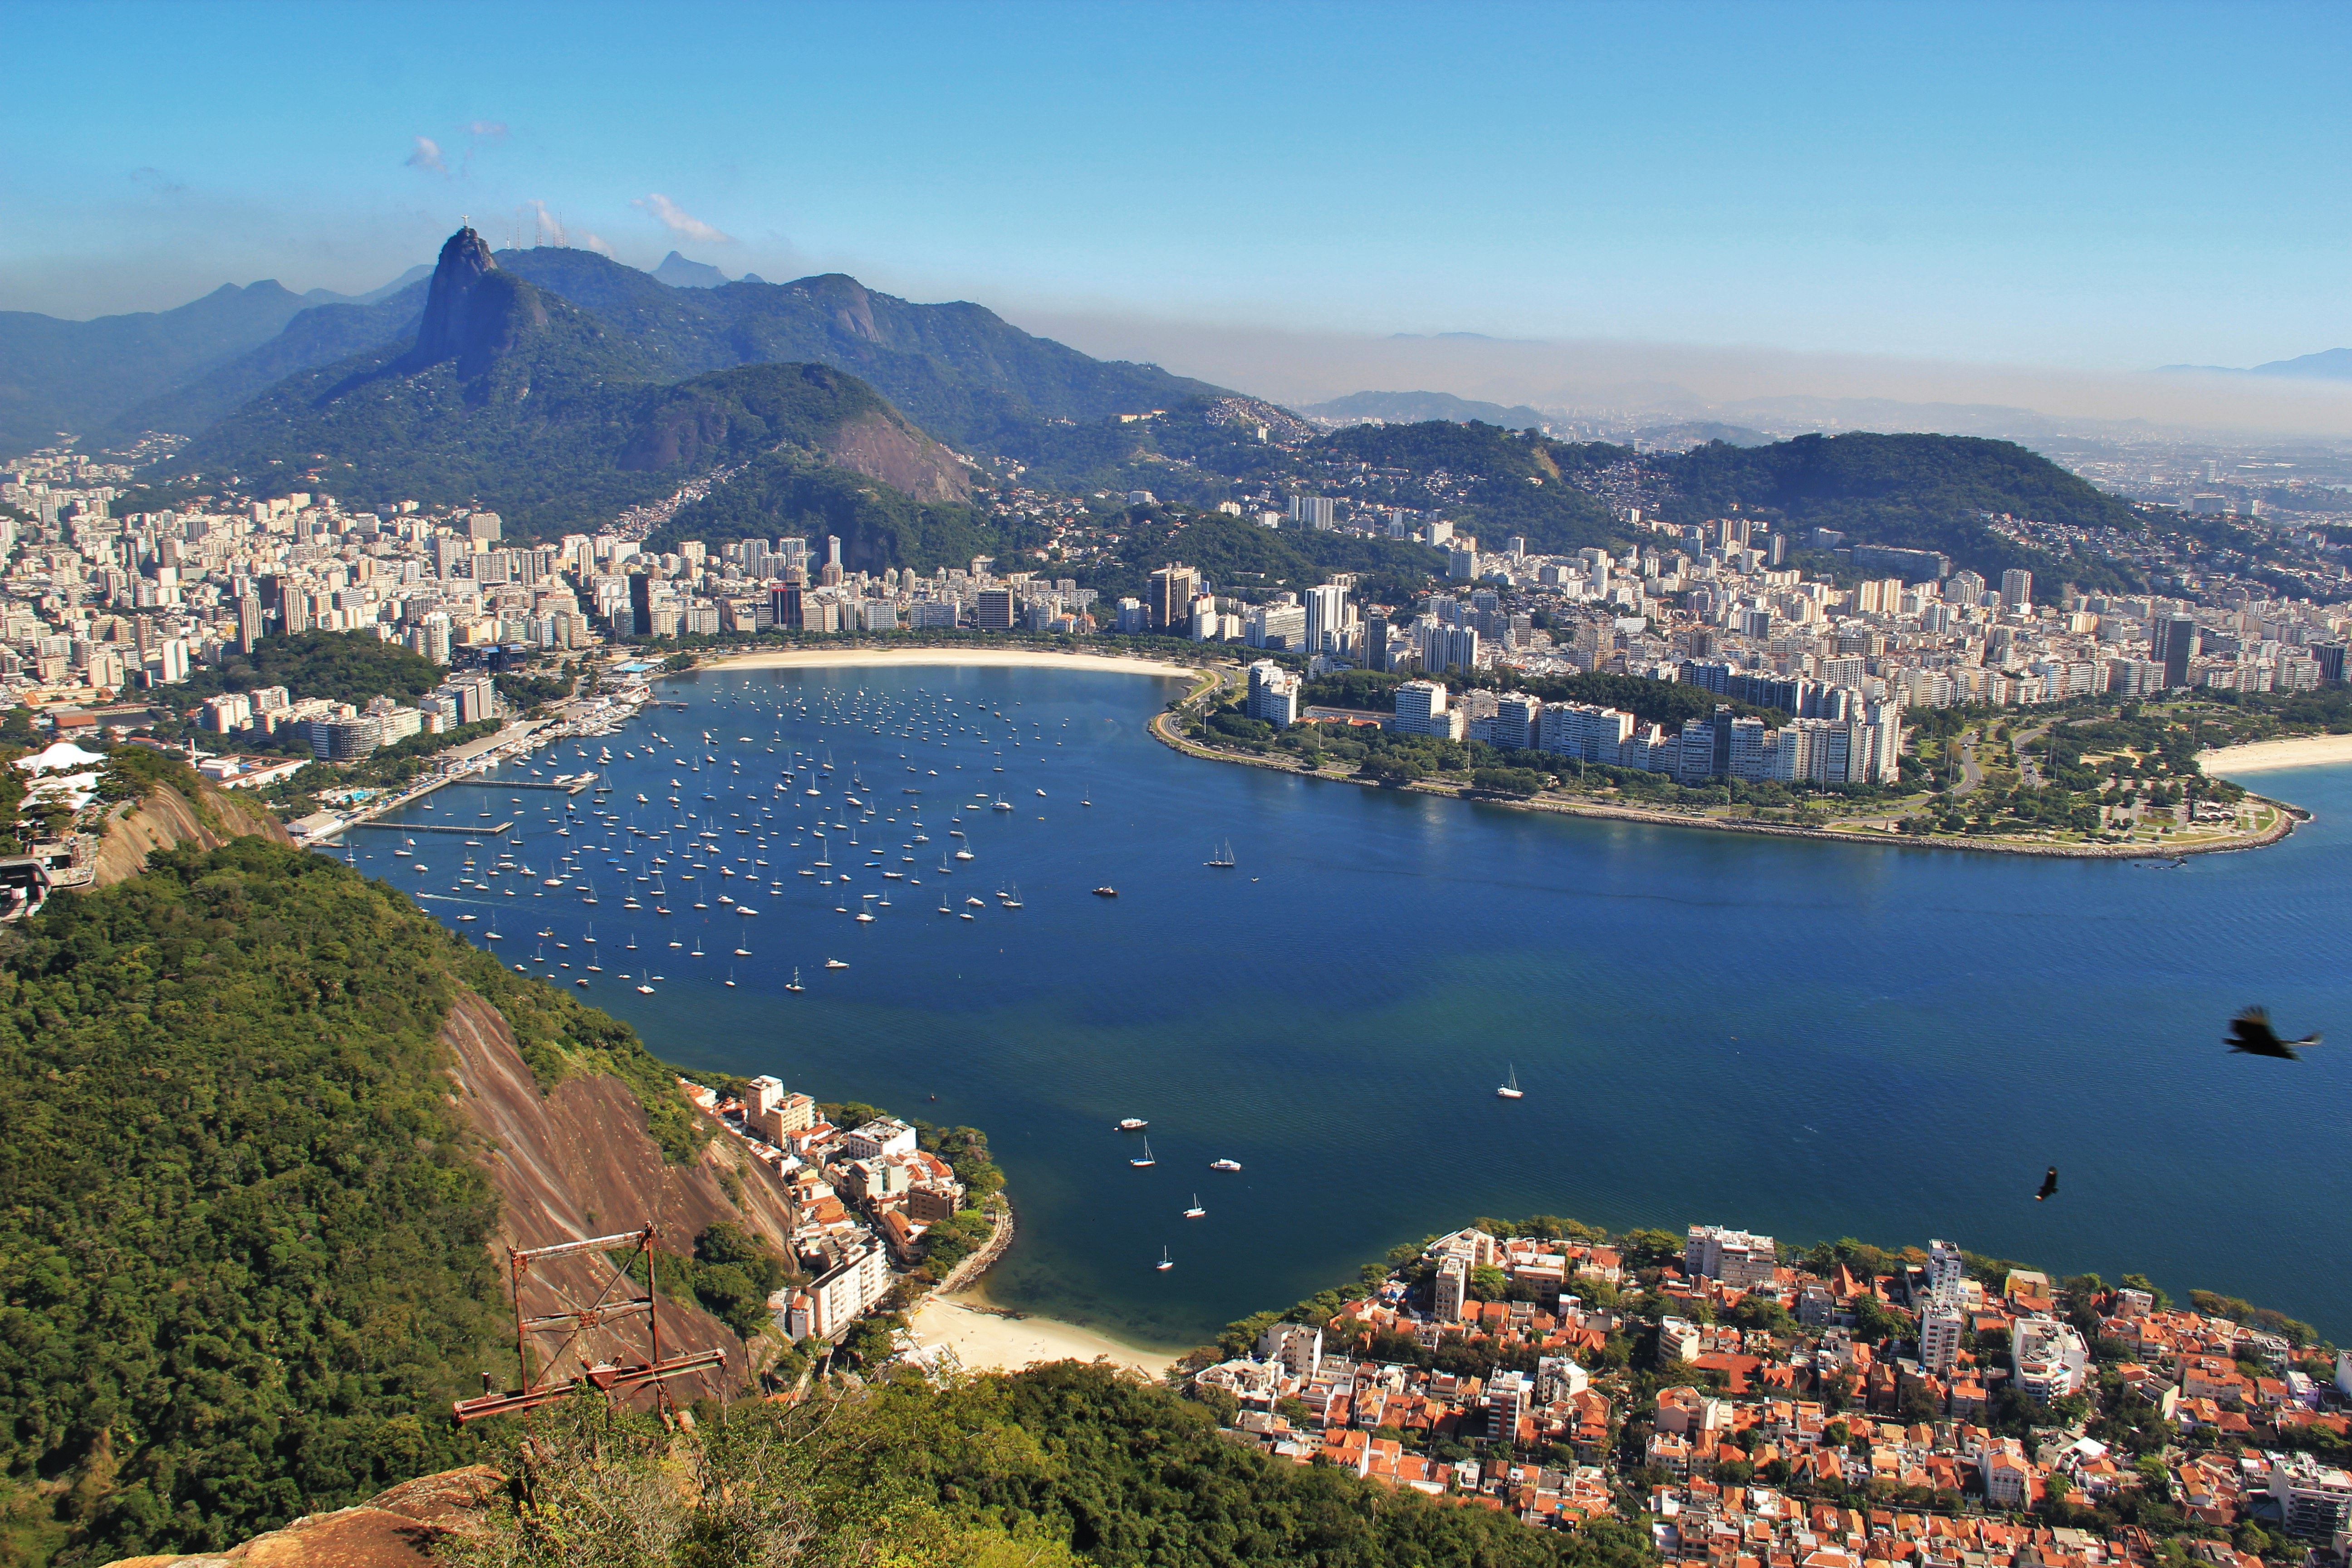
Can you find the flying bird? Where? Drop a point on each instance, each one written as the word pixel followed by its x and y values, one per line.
pixel 2049 1185
pixel 2251 1035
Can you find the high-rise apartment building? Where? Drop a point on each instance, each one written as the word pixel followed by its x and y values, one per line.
pixel 994 610
pixel 2016 588
pixel 2172 643
pixel 1327 616
pixel 1169 599
pixel 1273 694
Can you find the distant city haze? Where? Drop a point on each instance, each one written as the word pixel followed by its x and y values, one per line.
pixel 2030 207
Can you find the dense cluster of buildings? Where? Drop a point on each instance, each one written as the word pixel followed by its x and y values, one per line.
pixel 1869 1418
pixel 862 1200
pixel 757 585
pixel 95 604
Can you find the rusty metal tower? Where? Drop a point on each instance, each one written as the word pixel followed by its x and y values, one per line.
pixel 566 1367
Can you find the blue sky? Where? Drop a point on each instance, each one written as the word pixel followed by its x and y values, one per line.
pixel 2080 185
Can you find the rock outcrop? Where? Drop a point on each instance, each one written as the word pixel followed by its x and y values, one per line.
pixel 895 452
pixel 166 817
pixel 395 1529
pixel 578 1162
pixel 474 313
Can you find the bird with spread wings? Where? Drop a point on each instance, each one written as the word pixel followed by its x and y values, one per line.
pixel 2251 1035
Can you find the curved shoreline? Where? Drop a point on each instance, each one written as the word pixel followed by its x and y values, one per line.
pixel 2266 756
pixel 999 657
pixel 2288 816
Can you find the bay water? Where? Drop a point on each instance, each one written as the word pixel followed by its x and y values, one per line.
pixel 1804 1039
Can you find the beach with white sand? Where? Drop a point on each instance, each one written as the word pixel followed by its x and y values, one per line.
pixel 2268 756
pixel 989 1338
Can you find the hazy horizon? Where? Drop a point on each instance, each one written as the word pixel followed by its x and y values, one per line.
pixel 2019 206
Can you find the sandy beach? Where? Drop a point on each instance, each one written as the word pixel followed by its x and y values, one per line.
pixel 2261 756
pixel 782 658
pixel 984 1339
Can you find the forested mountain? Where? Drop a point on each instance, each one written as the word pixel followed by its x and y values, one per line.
pixel 959 370
pixel 82 376
pixel 77 375
pixel 1926 492
pixel 1419 407
pixel 513 397
pixel 321 334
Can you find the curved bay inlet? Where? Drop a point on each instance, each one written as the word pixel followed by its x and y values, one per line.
pixel 1807 1039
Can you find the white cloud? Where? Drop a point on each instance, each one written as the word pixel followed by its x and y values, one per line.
pixel 427 155
pixel 595 242
pixel 488 129
pixel 680 222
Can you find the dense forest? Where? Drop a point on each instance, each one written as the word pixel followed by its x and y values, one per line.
pixel 342 666
pixel 1920 492
pixel 879 526
pixel 1240 556
pixel 243 1266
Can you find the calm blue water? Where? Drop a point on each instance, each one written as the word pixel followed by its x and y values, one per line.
pixel 1803 1039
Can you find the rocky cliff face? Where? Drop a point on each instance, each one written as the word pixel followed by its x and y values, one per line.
pixel 578 1162
pixel 136 829
pixel 897 454
pixel 396 1528
pixel 473 313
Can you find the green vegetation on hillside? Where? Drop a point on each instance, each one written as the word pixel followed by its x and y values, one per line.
pixel 878 526
pixel 1920 492
pixel 342 666
pixel 1511 483
pixel 958 370
pixel 1240 556
pixel 1050 1467
pixel 243 1266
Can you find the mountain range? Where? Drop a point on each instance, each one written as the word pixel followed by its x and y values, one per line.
pixel 508 389
pixel 1418 407
pixel 2328 365
pixel 560 388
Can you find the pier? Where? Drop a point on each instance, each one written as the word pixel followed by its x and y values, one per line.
pixel 422 827
pixel 568 783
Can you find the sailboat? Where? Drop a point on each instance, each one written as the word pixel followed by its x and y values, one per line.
pixel 1511 1089
pixel 646 988
pixel 731 974
pixel 795 985
pixel 1223 855
pixel 1145 1158
pixel 1165 1263
pixel 1196 1210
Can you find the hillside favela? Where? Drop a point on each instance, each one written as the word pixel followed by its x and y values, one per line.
pixel 1175 787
